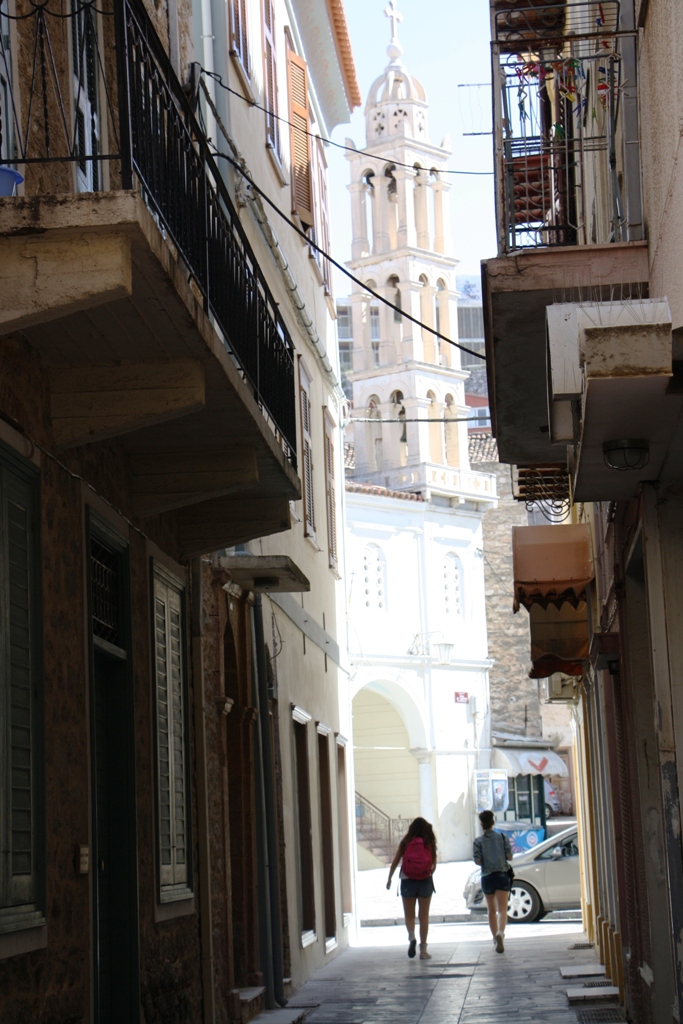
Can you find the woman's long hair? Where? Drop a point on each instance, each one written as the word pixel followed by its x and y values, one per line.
pixel 419 829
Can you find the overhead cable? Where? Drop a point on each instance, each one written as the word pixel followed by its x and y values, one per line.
pixel 370 291
pixel 338 145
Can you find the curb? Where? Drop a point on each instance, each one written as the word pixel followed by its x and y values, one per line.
pixel 477 917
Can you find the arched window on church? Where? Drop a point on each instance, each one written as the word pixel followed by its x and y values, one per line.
pixel 368 208
pixel 392 205
pixel 400 415
pixel 427 317
pixel 374 427
pixel 397 330
pixel 374 587
pixel 441 321
pixel 420 199
pixel 450 430
pixel 372 335
pixel 452 588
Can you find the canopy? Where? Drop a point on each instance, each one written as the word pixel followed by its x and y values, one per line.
pixel 518 761
pixel 551 564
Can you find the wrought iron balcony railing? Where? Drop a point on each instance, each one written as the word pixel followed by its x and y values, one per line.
pixel 565 123
pixel 102 108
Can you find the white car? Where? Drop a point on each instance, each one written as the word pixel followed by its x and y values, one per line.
pixel 546 878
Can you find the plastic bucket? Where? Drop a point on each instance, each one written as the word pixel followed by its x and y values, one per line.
pixel 9 179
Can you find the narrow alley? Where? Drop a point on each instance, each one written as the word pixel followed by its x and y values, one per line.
pixel 465 982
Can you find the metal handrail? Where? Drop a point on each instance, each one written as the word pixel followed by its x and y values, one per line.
pixel 160 145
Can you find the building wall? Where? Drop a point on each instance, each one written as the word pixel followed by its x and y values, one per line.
pixel 515 706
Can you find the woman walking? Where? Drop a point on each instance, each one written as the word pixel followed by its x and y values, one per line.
pixel 492 852
pixel 417 855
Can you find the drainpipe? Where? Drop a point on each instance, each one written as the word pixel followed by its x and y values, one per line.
pixel 204 859
pixel 269 802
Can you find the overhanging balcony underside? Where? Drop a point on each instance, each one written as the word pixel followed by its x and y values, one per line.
pixel 517 288
pixel 157 282
pixel 131 355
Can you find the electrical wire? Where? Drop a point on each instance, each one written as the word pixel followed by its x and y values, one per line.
pixel 266 198
pixel 338 145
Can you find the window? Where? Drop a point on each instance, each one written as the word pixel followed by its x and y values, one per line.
pixel 307 449
pixel 239 40
pixel 374 588
pixel 374 321
pixel 7 149
pixel 479 416
pixel 345 336
pixel 322 217
pixel 470 322
pixel 173 817
pixel 304 827
pixel 21 738
pixel 270 75
pixel 85 64
pixel 300 142
pixel 452 587
pixel 330 492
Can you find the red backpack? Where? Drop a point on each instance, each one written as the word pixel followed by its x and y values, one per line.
pixel 417 859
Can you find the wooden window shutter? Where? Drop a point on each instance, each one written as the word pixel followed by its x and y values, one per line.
pixel 173 819
pixel 323 217
pixel 307 448
pixel 270 59
pixel 17 691
pixel 239 44
pixel 300 142
pixel 330 494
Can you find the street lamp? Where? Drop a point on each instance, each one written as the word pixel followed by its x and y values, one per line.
pixel 421 645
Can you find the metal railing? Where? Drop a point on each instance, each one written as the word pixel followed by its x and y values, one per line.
pixel 565 123
pixel 374 825
pixel 159 147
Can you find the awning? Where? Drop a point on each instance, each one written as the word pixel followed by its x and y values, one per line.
pixel 551 564
pixel 518 761
pixel 559 639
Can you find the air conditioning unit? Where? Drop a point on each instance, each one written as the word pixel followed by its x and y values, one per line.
pixel 560 688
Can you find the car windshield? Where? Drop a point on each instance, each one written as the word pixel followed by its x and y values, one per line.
pixel 568 847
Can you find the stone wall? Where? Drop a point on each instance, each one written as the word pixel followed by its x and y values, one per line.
pixel 53 985
pixel 515 705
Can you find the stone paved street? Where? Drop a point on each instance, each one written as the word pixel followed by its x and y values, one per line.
pixel 466 982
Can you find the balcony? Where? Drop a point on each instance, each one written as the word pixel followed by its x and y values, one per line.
pixel 127 269
pixel 568 194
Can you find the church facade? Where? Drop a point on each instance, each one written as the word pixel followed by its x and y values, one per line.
pixel 414 507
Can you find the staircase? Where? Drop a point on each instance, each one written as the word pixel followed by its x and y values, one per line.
pixel 376 831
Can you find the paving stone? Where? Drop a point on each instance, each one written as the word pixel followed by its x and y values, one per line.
pixel 582 971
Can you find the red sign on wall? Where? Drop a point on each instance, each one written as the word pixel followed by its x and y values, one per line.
pixel 461 698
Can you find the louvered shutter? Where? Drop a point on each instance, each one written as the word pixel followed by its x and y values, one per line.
pixel 323 217
pixel 18 628
pixel 330 494
pixel 307 448
pixel 171 735
pixel 300 142
pixel 240 41
pixel 270 60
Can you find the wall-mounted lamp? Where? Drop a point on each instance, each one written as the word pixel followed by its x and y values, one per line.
pixel 626 454
pixel 443 653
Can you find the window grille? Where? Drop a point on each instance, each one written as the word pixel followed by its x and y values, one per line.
pixel 105 593
pixel 21 786
pixel 172 792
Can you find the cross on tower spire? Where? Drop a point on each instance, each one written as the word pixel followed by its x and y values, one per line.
pixel 393 14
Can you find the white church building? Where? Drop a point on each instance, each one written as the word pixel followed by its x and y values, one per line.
pixel 417 624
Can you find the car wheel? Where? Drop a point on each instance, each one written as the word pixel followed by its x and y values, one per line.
pixel 524 903
pixel 548 811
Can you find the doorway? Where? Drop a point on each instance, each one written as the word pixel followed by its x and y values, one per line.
pixel 114 852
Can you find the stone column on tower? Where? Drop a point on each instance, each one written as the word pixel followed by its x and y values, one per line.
pixel 417 433
pixel 412 333
pixel 358 319
pixel 441 215
pixel 360 245
pixel 405 199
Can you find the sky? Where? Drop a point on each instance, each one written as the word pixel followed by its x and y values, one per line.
pixel 445 46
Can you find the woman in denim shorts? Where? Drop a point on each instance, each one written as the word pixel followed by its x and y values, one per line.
pixel 418 890
pixel 492 852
